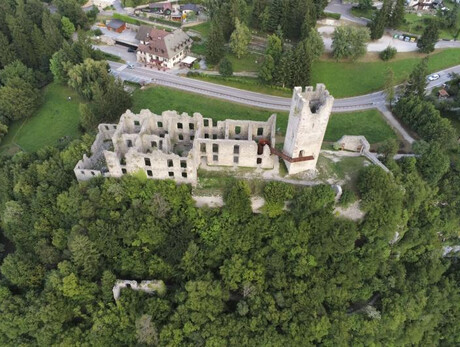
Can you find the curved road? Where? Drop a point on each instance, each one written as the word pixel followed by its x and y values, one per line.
pixel 373 100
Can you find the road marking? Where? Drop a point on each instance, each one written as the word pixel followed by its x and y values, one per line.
pixel 121 68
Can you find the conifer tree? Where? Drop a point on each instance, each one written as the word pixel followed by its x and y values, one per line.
pixel 397 15
pixel 429 37
pixel 214 45
pixel 240 38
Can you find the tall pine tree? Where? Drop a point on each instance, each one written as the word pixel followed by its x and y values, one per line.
pixel 214 45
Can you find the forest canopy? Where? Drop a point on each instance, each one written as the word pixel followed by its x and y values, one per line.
pixel 298 277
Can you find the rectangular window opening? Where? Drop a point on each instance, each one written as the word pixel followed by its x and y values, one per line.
pixel 179 126
pixel 214 136
pixel 260 131
pixel 129 143
pixel 149 173
pixel 236 149
pixel 171 174
pixel 203 147
pixel 236 160
pixel 136 123
pixel 184 174
pixel 191 126
pixel 237 130
pixel 181 137
pixel 259 160
pixel 147 162
pixel 183 164
pixel 160 124
pixel 206 122
pixel 170 163
pixel 215 148
pixel 215 158
pixel 123 171
pixel 153 144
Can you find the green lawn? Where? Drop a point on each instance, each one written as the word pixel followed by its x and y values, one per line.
pixel 158 99
pixel 344 79
pixel 249 62
pixel 247 83
pixel 369 123
pixel 357 12
pixel 203 28
pixel 56 118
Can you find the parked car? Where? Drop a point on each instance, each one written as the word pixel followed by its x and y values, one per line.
pixel 131 50
pixel 130 65
pixel 433 77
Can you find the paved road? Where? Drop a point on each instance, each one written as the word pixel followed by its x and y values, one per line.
pixel 336 6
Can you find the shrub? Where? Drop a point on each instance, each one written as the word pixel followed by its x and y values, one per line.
pixel 225 67
pixel 347 198
pixel 388 53
pixel 97 32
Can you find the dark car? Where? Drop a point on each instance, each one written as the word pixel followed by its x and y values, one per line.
pixel 131 50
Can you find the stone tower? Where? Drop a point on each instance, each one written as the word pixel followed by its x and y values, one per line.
pixel 307 124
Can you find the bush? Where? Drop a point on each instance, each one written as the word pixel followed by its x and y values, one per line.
pixel 388 53
pixel 97 32
pixel 347 198
pixel 196 65
pixel 225 67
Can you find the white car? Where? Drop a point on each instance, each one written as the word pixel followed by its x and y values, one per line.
pixel 433 77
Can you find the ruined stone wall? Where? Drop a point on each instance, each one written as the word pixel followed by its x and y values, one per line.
pixel 172 145
pixel 308 119
pixel 85 168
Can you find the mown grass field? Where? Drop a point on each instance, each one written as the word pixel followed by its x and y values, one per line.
pixel 158 99
pixel 369 123
pixel 346 79
pixel 56 118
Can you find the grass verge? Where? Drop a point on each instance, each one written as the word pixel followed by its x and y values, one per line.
pixel 246 83
pixel 369 123
pixel 57 118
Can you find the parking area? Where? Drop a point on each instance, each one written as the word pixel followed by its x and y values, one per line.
pixel 120 51
pixel 128 35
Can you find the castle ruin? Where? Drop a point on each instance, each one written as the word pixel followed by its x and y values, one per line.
pixel 172 145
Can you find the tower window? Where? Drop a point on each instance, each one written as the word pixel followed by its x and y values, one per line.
pixel 170 163
pixel 171 174
pixel 136 123
pixel 235 160
pixel 206 122
pixel 160 124
pixel 191 126
pixel 149 173
pixel 129 143
pixel 181 137
pixel 184 174
pixel 260 131
pixel 215 158
pixel 179 125
pixel 183 164
pixel 147 162
pixel 215 148
pixel 203 147
pixel 153 144
pixel 236 149
pixel 259 160
pixel 237 129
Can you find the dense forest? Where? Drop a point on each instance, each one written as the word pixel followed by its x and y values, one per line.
pixel 299 276
pixel 296 277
